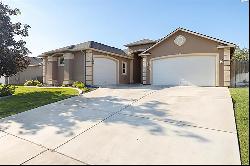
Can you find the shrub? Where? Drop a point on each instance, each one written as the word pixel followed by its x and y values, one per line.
pixel 78 84
pixel 33 83
pixel 6 90
pixel 39 85
pixel 85 89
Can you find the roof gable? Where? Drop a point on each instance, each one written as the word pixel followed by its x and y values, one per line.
pixel 225 43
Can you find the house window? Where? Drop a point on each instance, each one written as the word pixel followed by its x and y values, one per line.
pixel 61 61
pixel 124 68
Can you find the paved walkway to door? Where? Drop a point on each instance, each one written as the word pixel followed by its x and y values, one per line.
pixel 126 125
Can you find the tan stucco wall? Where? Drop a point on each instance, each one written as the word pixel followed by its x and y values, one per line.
pixel 123 79
pixel 78 70
pixel 193 44
pixel 60 74
pixel 52 71
pixel 221 67
pixel 79 67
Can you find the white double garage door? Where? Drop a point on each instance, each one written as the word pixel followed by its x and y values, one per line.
pixel 196 70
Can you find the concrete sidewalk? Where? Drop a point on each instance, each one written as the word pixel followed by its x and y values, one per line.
pixel 126 125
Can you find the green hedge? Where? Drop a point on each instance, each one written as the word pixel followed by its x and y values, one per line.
pixel 79 85
pixel 33 83
pixel 6 90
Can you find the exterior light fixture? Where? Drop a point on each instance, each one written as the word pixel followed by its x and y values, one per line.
pixel 221 61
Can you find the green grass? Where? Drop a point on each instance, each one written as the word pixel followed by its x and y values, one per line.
pixel 26 98
pixel 241 103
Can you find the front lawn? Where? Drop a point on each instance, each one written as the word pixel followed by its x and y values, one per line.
pixel 241 103
pixel 26 98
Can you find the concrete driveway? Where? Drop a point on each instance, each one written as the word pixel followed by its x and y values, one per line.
pixel 126 125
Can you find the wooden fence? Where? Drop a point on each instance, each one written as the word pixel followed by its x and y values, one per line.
pixel 239 73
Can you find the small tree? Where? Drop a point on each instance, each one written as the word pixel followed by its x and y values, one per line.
pixel 13 53
pixel 241 54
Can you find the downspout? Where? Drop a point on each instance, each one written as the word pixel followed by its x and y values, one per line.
pixel 84 56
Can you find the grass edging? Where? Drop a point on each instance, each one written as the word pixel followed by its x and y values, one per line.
pixel 240 99
pixel 35 108
pixel 28 98
pixel 48 103
pixel 238 136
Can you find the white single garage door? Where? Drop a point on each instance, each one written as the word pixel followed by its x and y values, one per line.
pixel 185 70
pixel 104 71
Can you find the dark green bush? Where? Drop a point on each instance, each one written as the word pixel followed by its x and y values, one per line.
pixel 78 84
pixel 6 90
pixel 33 83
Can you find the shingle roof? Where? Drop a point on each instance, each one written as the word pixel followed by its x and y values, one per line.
pixel 35 61
pixel 139 42
pixel 88 45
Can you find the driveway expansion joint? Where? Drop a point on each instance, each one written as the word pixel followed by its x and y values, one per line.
pixel 25 140
pixel 4 135
pixel 111 115
pixel 71 157
pixel 179 123
pixel 33 157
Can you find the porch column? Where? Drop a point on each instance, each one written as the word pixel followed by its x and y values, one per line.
pixel 89 67
pixel 131 71
pixel 227 77
pixel 68 68
pixel 52 70
pixel 144 70
pixel 45 63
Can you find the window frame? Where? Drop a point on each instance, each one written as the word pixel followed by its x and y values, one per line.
pixel 124 68
pixel 59 61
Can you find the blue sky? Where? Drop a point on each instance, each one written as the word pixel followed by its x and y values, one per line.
pixel 58 23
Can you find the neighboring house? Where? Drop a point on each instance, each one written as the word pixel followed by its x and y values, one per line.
pixel 183 57
pixel 33 72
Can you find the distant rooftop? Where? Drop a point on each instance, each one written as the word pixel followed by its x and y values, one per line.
pixel 88 45
pixel 139 42
pixel 35 61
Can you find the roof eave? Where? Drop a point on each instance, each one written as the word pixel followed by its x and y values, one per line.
pixel 131 45
pixel 61 52
pixel 144 54
pixel 227 46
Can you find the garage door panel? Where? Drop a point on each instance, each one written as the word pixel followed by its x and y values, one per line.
pixel 190 70
pixel 104 71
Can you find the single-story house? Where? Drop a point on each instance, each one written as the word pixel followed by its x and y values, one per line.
pixel 33 72
pixel 183 57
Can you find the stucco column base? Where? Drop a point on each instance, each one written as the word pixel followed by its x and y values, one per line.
pixel 68 82
pixel 52 82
